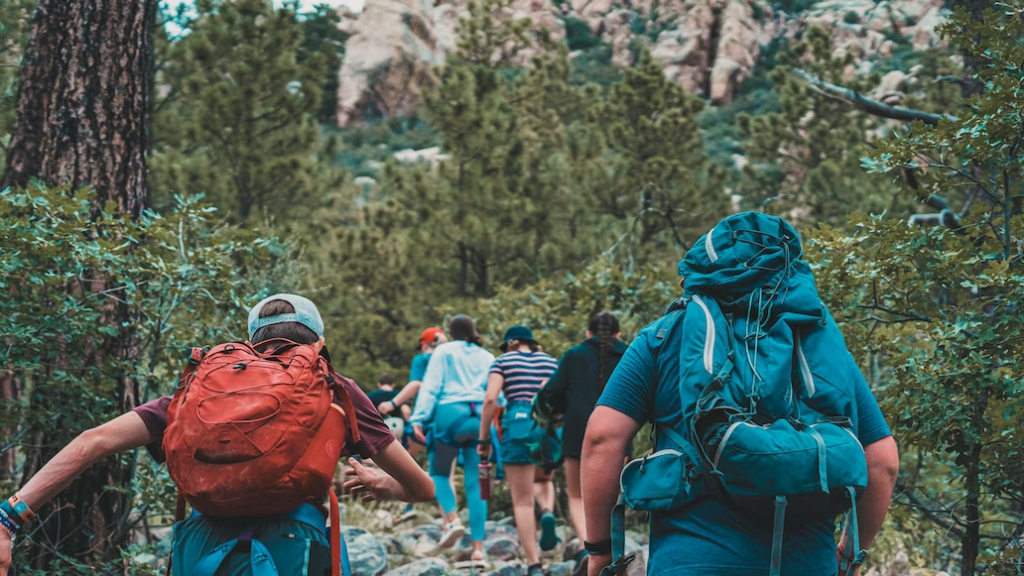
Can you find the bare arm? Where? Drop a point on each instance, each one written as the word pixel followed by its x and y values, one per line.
pixel 405 480
pixel 608 435
pixel 121 434
pixel 495 382
pixel 883 466
pixel 403 398
pixel 126 432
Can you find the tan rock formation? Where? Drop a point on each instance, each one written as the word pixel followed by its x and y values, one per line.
pixel 388 60
pixel 737 52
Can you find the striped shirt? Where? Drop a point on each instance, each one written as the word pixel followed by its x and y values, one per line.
pixel 524 373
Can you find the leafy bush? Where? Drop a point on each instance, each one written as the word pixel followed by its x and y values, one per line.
pixel 106 311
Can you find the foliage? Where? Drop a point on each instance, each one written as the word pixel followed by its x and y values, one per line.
pixel 578 34
pixel 238 121
pixel 594 65
pixel 662 180
pixel 181 279
pixel 14 20
pixel 321 37
pixel 804 160
pixel 939 306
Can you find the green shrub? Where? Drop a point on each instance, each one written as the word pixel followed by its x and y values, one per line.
pixel 851 17
pixel 578 34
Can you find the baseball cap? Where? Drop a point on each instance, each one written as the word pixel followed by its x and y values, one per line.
pixel 429 335
pixel 305 314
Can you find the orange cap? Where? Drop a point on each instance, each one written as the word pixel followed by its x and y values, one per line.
pixel 430 335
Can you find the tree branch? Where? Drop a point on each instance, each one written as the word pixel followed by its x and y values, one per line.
pixel 868 105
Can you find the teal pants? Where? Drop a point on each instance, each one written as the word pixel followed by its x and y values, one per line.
pixel 293 545
pixel 456 428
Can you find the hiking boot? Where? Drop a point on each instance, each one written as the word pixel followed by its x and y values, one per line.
pixel 453 532
pixel 548 538
pixel 536 570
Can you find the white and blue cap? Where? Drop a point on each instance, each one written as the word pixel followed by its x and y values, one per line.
pixel 305 314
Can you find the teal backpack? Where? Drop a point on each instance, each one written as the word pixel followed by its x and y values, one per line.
pixel 767 390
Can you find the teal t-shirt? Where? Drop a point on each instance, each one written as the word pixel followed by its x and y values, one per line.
pixel 419 367
pixel 711 538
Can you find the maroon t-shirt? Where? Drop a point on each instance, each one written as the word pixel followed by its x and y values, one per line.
pixel 374 433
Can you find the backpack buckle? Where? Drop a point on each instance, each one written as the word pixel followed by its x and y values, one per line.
pixel 618 568
pixel 196 356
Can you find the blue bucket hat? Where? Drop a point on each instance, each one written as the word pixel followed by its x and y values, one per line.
pixel 305 314
pixel 517 332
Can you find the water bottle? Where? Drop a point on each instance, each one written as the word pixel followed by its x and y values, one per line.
pixel 484 474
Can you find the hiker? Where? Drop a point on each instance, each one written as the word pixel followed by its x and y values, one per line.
pixel 449 401
pixel 573 391
pixel 785 436
pixel 386 392
pixel 520 372
pixel 286 332
pixel 430 339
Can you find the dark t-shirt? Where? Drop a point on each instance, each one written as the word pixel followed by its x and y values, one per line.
pixel 710 537
pixel 573 389
pixel 374 434
pixel 378 397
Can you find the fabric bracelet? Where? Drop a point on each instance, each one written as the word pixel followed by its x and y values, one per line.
pixel 598 548
pixel 21 509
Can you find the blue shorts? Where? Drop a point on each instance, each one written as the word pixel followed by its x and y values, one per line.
pixel 518 431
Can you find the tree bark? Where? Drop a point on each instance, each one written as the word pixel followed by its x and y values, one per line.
pixel 83 121
pixel 83 100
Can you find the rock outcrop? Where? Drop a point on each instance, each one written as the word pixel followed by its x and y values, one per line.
pixel 708 46
pixel 396 45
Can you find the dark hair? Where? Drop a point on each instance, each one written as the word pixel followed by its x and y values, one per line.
pixel 386 379
pixel 515 343
pixel 604 326
pixel 463 328
pixel 294 331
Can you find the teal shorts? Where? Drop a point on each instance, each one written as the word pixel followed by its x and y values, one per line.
pixel 518 430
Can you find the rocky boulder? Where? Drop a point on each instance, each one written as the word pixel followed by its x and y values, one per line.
pixel 424 567
pixel 367 555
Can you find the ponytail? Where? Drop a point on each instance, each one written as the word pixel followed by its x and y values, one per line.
pixel 604 326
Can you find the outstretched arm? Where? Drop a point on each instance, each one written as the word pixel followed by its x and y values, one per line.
pixel 609 433
pixel 403 398
pixel 126 432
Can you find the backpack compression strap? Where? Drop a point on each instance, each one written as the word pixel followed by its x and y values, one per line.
pixel 339 555
pixel 856 556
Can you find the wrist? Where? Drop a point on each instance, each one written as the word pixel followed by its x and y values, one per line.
pixel 598 547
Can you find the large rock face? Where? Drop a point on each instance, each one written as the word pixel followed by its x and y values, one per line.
pixel 395 46
pixel 708 46
pixel 388 60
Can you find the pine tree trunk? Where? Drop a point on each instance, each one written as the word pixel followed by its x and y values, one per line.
pixel 83 120
pixel 83 99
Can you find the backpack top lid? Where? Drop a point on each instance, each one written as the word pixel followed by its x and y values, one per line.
pixel 751 253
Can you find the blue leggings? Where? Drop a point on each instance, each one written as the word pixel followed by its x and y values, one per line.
pixel 452 426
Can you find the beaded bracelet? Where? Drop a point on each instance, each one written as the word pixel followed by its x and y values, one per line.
pixel 7 522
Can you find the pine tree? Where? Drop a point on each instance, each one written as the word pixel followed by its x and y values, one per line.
pixel 238 123
pixel 664 186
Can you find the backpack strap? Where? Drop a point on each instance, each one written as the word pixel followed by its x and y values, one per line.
pixel 620 560
pixel 849 562
pixel 780 525
pixel 339 555
pixel 346 401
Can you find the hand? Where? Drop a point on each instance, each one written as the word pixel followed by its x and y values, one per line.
pixel 839 562
pixel 5 551
pixel 417 431
pixel 386 408
pixel 368 482
pixel 597 562
pixel 483 448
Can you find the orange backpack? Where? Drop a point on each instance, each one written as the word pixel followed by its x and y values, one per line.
pixel 256 433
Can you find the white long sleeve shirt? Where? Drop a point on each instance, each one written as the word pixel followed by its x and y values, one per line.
pixel 457 372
